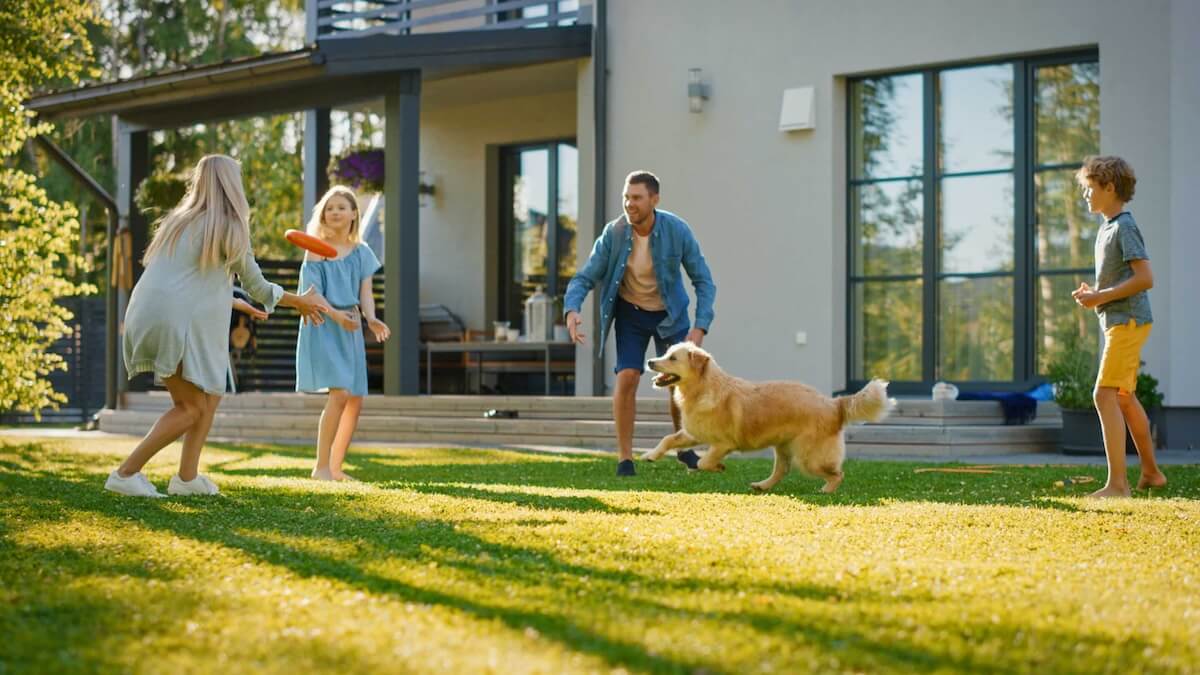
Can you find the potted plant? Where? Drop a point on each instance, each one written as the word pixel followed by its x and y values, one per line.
pixel 1072 372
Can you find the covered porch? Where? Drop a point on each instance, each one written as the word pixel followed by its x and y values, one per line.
pixel 441 75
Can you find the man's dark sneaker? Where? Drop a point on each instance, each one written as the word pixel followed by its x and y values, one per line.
pixel 625 468
pixel 689 458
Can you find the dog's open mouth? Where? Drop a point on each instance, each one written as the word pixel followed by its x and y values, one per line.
pixel 665 379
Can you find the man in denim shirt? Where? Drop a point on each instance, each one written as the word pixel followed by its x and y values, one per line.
pixel 635 263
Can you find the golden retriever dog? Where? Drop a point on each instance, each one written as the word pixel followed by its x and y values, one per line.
pixel 729 413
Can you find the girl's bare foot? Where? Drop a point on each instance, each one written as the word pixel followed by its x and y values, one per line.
pixel 1152 480
pixel 322 474
pixel 342 476
pixel 1110 491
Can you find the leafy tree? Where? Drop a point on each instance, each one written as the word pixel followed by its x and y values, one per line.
pixel 203 32
pixel 41 41
pixel 271 168
pixel 134 38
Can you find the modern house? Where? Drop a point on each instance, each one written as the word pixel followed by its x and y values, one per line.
pixel 881 189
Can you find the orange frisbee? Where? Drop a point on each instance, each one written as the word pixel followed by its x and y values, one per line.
pixel 310 243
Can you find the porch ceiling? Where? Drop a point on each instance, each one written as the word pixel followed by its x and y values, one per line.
pixel 457 90
pixel 331 73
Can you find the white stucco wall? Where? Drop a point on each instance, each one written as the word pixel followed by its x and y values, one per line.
pixel 454 141
pixel 1181 285
pixel 768 207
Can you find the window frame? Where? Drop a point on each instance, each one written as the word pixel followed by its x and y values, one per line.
pixel 554 284
pixel 1025 271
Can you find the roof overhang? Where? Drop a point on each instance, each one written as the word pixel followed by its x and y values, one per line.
pixel 330 73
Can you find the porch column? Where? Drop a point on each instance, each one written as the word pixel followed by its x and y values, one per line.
pixel 132 150
pixel 316 157
pixel 401 229
pixel 600 153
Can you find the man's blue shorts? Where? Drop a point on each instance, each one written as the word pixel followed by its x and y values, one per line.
pixel 634 328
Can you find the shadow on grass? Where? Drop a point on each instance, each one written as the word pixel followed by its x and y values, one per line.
pixel 533 501
pixel 76 623
pixel 254 521
pixel 868 483
pixel 230 523
pixel 52 624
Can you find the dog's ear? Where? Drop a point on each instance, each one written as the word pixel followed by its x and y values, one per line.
pixel 698 361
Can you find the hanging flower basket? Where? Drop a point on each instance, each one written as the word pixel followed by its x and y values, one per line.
pixel 358 168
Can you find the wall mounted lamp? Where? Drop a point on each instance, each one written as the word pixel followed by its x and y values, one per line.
pixel 425 189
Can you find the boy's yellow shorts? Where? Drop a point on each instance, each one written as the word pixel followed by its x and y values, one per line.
pixel 1122 356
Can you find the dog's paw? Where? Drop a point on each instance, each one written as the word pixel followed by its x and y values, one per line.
pixel 759 488
pixel 716 467
pixel 831 484
pixel 648 457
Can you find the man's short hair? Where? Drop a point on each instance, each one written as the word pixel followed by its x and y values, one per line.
pixel 1109 169
pixel 643 178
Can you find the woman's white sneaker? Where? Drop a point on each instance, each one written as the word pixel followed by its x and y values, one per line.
pixel 136 485
pixel 200 485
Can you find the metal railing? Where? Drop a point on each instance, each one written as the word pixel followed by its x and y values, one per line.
pixel 355 18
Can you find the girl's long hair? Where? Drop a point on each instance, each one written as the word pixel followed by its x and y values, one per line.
pixel 216 203
pixel 316 222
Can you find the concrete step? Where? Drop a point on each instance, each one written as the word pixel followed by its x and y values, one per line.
pixel 294 427
pixel 466 406
pixel 968 413
pixel 913 412
pixel 879 439
pixel 953 440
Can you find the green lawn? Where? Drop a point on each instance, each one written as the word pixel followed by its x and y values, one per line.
pixel 481 561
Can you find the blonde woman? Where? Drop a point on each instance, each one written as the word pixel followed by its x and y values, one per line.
pixel 176 325
pixel 332 357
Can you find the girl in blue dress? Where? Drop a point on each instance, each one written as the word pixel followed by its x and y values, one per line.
pixel 332 357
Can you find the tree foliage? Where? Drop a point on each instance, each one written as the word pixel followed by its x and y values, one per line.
pixel 41 42
pixel 135 38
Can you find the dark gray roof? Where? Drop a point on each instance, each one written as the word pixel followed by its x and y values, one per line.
pixel 329 73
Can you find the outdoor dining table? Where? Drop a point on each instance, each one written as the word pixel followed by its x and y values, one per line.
pixel 482 347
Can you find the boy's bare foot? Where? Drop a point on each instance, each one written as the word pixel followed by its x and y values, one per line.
pixel 322 474
pixel 341 476
pixel 1152 480
pixel 1109 491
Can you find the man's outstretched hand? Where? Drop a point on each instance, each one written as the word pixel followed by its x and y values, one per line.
pixel 574 322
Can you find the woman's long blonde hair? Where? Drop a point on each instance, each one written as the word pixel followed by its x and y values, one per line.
pixel 316 222
pixel 216 203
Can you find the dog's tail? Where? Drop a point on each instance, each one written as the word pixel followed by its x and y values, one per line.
pixel 870 404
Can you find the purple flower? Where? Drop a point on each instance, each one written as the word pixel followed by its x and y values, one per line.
pixel 360 169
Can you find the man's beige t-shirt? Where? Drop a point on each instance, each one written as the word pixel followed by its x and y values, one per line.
pixel 639 285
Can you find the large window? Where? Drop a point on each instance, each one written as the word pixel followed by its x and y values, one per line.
pixel 966 229
pixel 538 224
